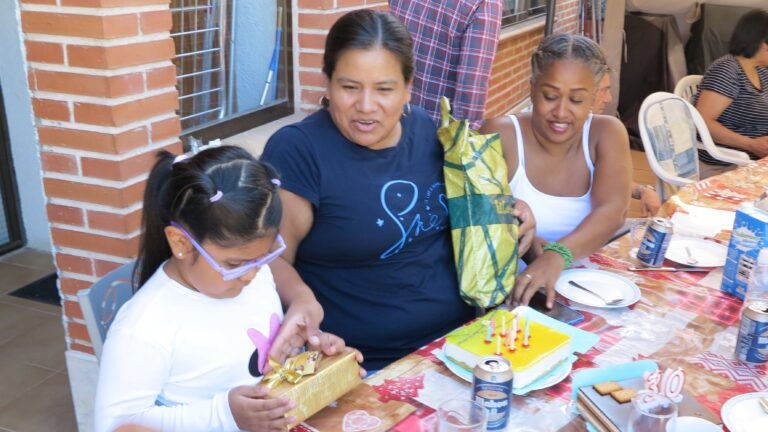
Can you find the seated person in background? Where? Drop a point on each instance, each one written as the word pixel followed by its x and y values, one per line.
pixel 365 221
pixel 571 167
pixel 649 199
pixel 733 95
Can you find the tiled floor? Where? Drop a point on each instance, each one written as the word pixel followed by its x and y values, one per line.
pixel 34 389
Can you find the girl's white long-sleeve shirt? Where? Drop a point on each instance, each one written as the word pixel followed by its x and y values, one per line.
pixel 172 355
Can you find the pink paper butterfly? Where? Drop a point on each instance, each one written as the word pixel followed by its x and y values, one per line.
pixel 263 344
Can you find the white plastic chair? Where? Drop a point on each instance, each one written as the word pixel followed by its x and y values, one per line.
pixel 687 87
pixel 668 128
pixel 102 300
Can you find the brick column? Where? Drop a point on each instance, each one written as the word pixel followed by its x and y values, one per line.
pixel 315 18
pixel 104 98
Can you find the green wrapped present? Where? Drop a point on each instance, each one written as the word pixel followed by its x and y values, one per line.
pixel 483 229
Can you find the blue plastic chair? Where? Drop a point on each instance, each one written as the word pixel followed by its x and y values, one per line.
pixel 102 300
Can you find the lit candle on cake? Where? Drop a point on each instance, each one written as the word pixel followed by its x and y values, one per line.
pixel 511 336
pixel 526 333
pixel 493 326
pixel 514 328
pixel 504 325
pixel 517 323
pixel 498 345
pixel 488 332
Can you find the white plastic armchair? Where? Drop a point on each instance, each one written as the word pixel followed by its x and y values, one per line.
pixel 718 152
pixel 668 133
pixel 687 86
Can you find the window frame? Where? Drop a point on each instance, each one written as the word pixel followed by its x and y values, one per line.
pixel 510 20
pixel 247 120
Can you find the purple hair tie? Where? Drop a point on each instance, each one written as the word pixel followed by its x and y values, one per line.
pixel 180 158
pixel 276 182
pixel 217 196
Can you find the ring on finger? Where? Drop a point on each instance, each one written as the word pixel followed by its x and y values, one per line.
pixel 528 276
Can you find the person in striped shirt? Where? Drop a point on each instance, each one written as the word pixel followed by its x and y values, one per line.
pixel 733 95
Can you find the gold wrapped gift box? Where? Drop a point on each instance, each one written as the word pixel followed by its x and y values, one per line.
pixel 332 378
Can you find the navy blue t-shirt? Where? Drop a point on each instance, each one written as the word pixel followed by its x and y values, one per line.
pixel 378 256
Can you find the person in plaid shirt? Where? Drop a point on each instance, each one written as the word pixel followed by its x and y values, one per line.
pixel 454 42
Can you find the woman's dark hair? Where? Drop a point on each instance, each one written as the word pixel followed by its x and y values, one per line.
pixel 181 190
pixel 750 32
pixel 367 29
pixel 564 47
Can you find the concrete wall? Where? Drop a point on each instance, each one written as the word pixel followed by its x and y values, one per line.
pixel 21 129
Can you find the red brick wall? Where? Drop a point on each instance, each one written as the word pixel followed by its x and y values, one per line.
pixel 104 98
pixel 511 71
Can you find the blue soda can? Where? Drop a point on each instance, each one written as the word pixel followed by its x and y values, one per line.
pixel 655 242
pixel 492 388
pixel 752 344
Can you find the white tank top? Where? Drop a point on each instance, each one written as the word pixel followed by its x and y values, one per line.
pixel 556 216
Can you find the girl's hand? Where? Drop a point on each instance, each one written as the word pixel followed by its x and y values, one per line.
pixel 301 325
pixel 542 273
pixel 254 413
pixel 527 230
pixel 331 344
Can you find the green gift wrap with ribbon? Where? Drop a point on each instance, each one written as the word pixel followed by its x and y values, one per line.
pixel 480 204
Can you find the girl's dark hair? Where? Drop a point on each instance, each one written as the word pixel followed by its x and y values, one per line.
pixel 566 46
pixel 750 32
pixel 249 207
pixel 367 29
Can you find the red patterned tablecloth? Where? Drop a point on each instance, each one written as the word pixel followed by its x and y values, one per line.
pixel 682 320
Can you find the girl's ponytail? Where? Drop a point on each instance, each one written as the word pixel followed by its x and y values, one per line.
pixel 154 249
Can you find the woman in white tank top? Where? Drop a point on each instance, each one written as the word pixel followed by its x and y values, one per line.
pixel 572 168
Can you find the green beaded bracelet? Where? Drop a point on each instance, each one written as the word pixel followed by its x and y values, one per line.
pixel 562 250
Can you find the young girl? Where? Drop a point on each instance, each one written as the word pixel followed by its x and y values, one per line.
pixel 186 352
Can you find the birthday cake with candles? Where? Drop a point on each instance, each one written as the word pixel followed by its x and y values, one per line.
pixel 532 348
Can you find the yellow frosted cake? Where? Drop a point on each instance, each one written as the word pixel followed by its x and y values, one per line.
pixel 495 334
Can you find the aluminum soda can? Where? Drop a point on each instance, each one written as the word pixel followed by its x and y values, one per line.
pixel 492 388
pixel 752 343
pixel 655 242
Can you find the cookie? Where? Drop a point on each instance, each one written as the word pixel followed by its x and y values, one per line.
pixel 624 395
pixel 607 387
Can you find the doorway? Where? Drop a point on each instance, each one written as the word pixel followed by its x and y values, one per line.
pixel 11 235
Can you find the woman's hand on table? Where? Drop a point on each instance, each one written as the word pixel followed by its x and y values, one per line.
pixel 301 326
pixel 252 412
pixel 541 273
pixel 649 201
pixel 760 146
pixel 527 229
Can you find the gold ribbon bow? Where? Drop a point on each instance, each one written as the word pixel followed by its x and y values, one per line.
pixel 293 370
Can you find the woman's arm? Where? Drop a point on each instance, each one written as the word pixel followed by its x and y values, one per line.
pixel 303 313
pixel 711 105
pixel 610 200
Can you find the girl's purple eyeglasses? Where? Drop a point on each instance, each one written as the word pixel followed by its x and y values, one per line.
pixel 229 274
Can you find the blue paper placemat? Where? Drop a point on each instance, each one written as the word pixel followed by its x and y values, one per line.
pixel 581 341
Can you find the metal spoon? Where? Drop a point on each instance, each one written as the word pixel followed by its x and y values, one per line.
pixel 691 260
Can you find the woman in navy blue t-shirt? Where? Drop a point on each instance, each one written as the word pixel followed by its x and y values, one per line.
pixel 366 221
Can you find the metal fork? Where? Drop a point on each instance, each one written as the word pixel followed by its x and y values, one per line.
pixel 607 301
